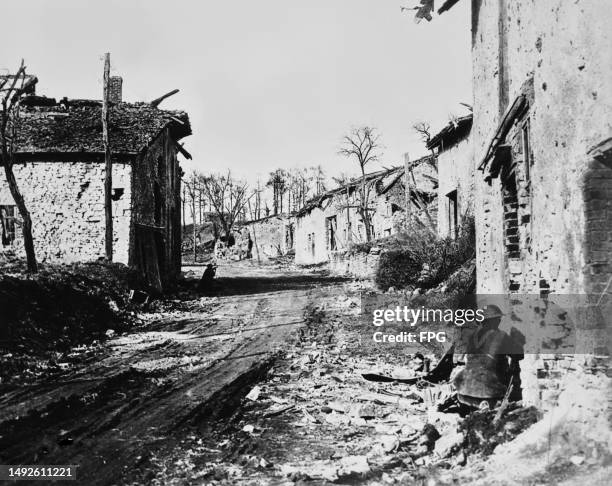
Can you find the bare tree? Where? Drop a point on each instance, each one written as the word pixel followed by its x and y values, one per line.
pixel 278 183
pixel 227 197
pixel 363 145
pixel 319 179
pixel 12 89
pixel 191 188
pixel 423 129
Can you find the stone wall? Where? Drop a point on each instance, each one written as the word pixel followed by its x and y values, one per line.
pixel 354 264
pixel 390 211
pixel 455 173
pixel 66 203
pixel 272 236
pixel 311 246
pixel 548 228
pixel 563 47
pixel 312 229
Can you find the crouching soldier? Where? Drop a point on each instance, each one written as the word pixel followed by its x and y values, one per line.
pixel 491 366
pixel 208 277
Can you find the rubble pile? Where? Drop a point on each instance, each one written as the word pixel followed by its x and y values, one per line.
pixel 317 419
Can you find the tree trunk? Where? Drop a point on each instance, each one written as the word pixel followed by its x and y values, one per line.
pixel 200 205
pixel 193 213
pixel 365 216
pixel 407 191
pixel 28 240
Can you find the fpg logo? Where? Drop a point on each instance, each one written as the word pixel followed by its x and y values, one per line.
pixel 428 336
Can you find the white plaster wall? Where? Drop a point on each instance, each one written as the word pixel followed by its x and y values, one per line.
pixel 455 172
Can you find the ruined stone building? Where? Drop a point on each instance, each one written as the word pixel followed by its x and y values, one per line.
pixel 60 171
pixel 331 222
pixel 268 237
pixel 453 149
pixel 542 140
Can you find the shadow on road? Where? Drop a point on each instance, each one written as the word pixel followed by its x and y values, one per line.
pixel 227 286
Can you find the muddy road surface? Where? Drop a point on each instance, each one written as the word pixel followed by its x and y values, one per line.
pixel 141 392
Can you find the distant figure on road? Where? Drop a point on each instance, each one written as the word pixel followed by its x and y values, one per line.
pixel 207 277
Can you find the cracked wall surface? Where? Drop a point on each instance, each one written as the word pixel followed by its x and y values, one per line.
pixel 66 204
pixel 552 233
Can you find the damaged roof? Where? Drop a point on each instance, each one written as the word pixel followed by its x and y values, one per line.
pixel 452 133
pixel 75 126
pixel 424 177
pixel 28 82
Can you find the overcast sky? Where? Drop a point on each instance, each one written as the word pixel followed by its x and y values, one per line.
pixel 268 83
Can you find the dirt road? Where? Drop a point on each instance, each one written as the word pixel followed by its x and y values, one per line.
pixel 141 392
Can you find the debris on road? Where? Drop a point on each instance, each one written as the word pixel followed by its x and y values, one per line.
pixel 320 420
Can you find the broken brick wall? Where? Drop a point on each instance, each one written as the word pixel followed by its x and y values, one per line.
pixel 66 203
pixel 551 232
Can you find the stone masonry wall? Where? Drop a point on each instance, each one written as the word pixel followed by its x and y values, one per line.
pixel 270 236
pixel 310 238
pixel 455 173
pixel 66 203
pixel 311 230
pixel 358 265
pixel 553 232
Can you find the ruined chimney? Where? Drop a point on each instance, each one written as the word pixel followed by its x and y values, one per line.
pixel 115 88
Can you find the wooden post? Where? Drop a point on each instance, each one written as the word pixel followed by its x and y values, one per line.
pixel 183 203
pixel 407 189
pixel 349 229
pixel 108 164
pixel 193 214
pixel 255 236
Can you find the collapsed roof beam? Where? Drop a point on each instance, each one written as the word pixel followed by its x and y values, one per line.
pixel 182 150
pixel 157 101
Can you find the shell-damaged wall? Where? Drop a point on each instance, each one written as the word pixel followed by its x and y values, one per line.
pixel 66 204
pixel 553 231
pixel 266 238
pixel 327 229
pixel 565 47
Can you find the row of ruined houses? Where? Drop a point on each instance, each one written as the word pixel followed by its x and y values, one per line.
pixel 434 193
pixel 532 163
pixel 59 167
pixel 331 223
